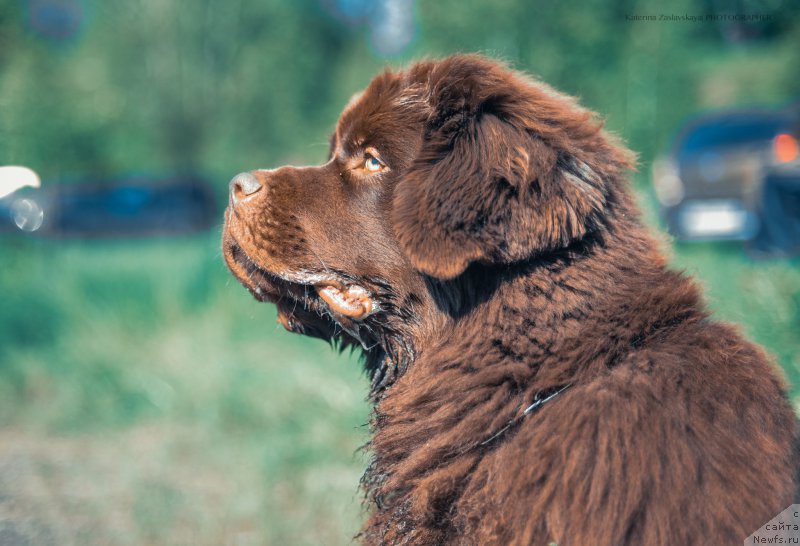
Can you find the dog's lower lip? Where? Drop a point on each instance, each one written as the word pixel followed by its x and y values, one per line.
pixel 256 279
pixel 262 282
pixel 333 283
pixel 344 299
pixel 352 301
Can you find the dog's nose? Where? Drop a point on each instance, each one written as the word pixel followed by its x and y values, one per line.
pixel 243 186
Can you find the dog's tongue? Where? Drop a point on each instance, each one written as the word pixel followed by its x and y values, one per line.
pixel 351 301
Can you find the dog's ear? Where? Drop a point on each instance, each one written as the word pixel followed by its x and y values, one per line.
pixel 507 168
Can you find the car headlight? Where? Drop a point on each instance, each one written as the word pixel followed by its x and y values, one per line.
pixel 667 183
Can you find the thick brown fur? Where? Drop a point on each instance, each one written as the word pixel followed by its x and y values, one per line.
pixel 506 260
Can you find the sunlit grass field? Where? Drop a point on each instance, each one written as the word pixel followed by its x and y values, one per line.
pixel 146 398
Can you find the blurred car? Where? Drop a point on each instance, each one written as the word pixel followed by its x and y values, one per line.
pixel 711 184
pixel 136 206
pixel 779 215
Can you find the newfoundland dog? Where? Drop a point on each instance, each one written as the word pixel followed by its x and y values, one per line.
pixel 539 375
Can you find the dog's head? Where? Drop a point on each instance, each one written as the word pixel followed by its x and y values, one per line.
pixel 431 169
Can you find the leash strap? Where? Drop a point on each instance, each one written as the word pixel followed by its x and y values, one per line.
pixel 537 403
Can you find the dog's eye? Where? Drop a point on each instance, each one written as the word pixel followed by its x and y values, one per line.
pixel 371 163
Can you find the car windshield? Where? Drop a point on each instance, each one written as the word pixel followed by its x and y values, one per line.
pixel 729 131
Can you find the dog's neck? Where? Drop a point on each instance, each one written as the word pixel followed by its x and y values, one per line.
pixel 550 293
pixel 501 337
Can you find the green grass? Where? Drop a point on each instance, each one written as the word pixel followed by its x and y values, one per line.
pixel 146 398
pixel 158 403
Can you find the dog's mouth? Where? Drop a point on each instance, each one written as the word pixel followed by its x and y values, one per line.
pixel 331 306
pixel 309 303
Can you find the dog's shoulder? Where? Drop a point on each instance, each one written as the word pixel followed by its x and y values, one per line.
pixel 656 431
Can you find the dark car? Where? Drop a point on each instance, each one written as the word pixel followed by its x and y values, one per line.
pixel 128 207
pixel 711 184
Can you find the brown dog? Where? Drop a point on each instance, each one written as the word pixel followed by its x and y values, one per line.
pixel 538 374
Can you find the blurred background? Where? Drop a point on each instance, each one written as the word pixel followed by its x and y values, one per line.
pixel 145 397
